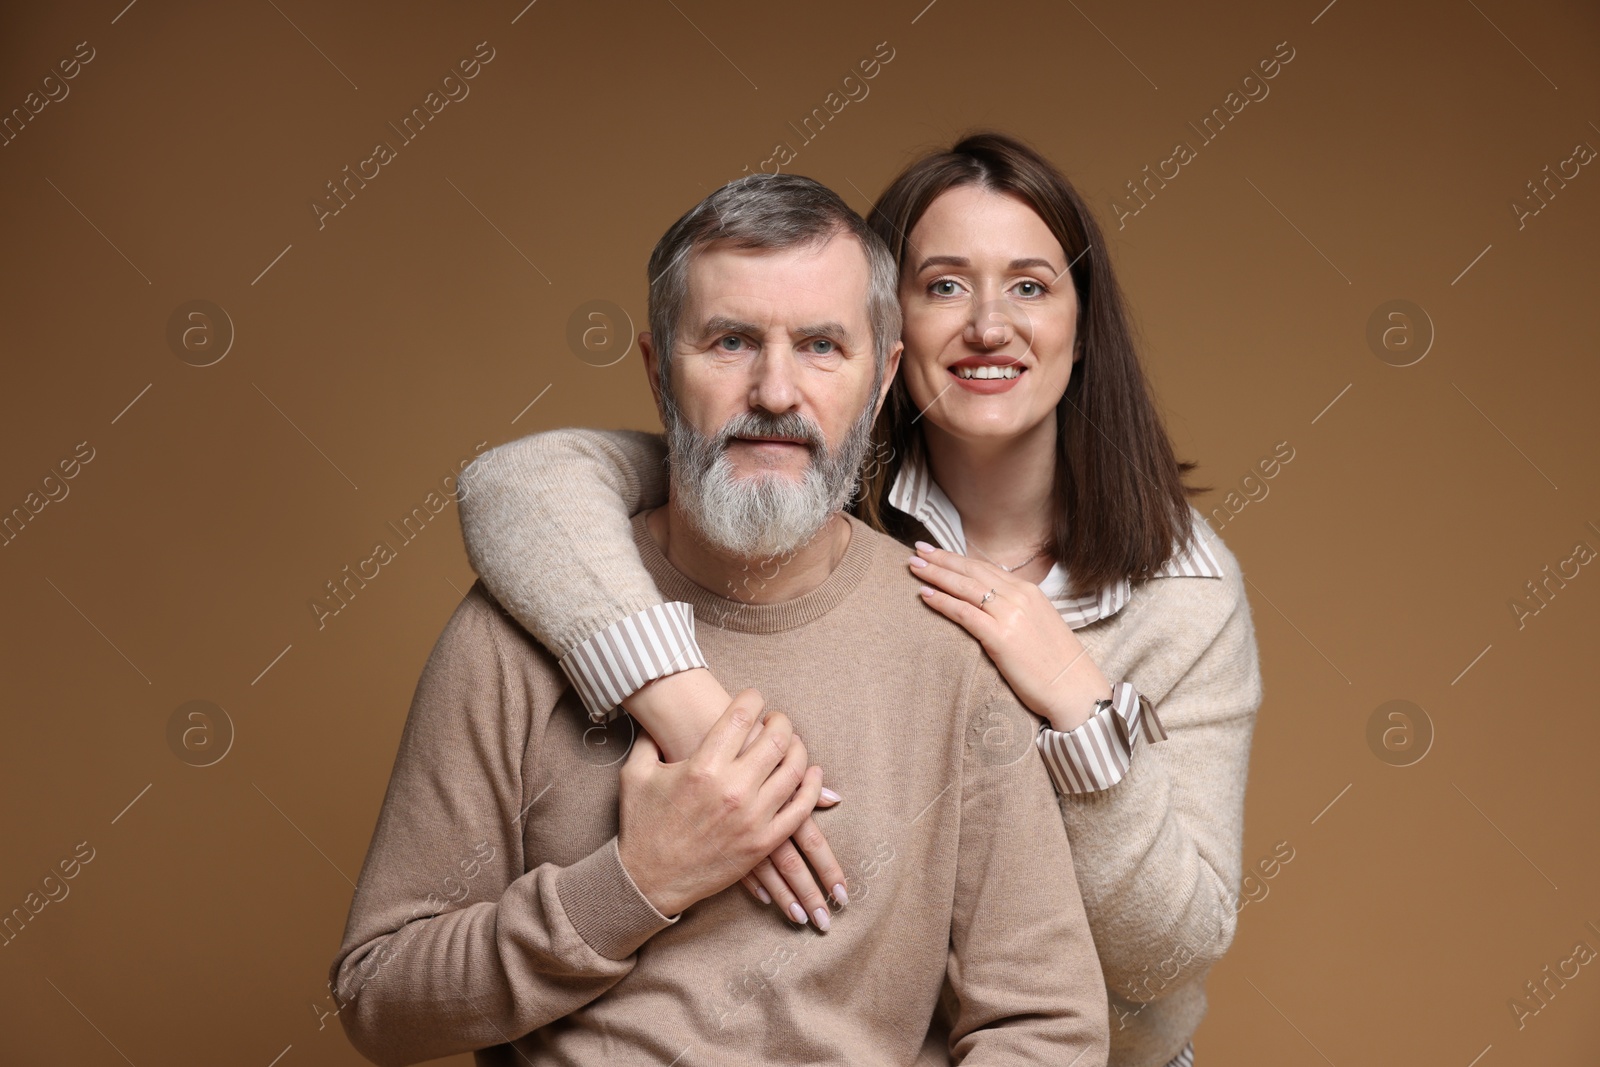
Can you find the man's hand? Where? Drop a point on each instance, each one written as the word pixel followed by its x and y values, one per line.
pixel 691 829
pixel 678 711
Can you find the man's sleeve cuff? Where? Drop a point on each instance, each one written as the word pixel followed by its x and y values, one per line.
pixel 604 904
pixel 1096 754
pixel 622 659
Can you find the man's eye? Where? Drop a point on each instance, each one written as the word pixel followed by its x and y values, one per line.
pixel 822 346
pixel 731 343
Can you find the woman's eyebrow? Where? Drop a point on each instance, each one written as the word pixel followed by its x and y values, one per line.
pixel 963 261
pixel 944 261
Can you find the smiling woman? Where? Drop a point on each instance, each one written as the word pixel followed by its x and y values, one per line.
pixel 997 319
pixel 1002 263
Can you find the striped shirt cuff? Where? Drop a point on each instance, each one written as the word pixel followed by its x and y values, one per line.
pixel 622 659
pixel 1095 755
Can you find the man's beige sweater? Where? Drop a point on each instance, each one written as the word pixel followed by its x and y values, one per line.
pixel 1158 855
pixel 493 908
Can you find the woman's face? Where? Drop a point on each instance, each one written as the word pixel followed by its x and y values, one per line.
pixel 990 316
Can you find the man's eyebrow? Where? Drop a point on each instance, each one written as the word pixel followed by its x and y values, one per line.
pixel 721 324
pixel 832 331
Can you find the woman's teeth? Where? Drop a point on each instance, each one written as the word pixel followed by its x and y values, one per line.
pixel 1008 371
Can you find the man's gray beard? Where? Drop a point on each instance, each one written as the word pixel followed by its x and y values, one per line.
pixel 767 514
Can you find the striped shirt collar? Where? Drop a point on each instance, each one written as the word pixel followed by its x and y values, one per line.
pixel 916 494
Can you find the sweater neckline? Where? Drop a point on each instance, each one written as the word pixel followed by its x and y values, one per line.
pixel 732 614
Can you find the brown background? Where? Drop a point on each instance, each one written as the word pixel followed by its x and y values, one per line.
pixel 375 353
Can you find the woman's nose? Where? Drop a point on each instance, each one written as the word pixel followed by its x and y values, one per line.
pixel 990 328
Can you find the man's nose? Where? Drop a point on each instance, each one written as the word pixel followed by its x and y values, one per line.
pixel 774 386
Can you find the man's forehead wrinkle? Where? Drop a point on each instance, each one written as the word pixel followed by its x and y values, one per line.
pixel 802 292
pixel 809 248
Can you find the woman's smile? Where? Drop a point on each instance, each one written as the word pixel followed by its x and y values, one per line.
pixel 988 375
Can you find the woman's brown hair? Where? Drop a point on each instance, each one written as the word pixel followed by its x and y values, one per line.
pixel 1120 503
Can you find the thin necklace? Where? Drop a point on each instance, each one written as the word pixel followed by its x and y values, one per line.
pixel 1015 567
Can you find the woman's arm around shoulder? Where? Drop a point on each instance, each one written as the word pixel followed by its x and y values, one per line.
pixel 546 522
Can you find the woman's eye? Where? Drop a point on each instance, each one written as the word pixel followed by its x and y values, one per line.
pixel 1030 289
pixel 944 287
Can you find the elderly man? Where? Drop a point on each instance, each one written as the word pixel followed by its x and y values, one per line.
pixel 534 899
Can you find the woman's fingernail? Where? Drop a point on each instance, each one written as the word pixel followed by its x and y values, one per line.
pixel 798 912
pixel 821 915
pixel 761 891
pixel 917 561
pixel 927 590
pixel 840 895
pixel 923 546
pixel 830 795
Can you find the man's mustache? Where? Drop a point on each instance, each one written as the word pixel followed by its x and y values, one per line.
pixel 791 424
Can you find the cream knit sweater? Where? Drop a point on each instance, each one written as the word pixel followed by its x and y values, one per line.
pixel 1157 855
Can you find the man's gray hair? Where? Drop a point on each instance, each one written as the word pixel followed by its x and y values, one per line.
pixel 765 211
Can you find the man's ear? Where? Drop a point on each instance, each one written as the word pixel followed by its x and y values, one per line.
pixel 890 367
pixel 652 366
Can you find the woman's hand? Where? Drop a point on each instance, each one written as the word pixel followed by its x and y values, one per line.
pixel 677 711
pixel 1036 651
